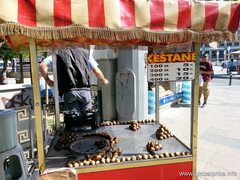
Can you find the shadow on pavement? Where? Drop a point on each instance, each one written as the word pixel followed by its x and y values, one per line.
pixel 181 105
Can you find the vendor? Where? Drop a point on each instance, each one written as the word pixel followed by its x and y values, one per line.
pixel 74 70
pixel 43 89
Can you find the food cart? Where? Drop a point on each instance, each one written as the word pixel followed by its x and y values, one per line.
pixel 162 25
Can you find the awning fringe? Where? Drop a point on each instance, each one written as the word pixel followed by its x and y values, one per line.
pixel 117 35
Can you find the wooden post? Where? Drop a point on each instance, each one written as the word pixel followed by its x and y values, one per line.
pixel 194 109
pixel 37 105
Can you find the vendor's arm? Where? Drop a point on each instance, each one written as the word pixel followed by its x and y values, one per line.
pixel 44 72
pixel 100 75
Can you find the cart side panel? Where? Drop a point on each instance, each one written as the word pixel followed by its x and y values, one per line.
pixel 160 172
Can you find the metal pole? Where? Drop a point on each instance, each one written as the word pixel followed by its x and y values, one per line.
pixel 157 101
pixel 37 104
pixel 56 100
pixel 46 92
pixel 230 78
pixel 21 68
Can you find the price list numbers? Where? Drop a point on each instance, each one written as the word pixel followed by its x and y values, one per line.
pixel 171 71
pixel 186 71
pixel 158 72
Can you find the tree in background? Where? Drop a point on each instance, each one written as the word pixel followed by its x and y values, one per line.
pixel 6 53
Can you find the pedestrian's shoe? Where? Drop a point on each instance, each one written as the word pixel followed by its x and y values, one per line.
pixel 199 103
pixel 204 105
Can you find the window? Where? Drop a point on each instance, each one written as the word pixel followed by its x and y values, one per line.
pixel 221 54
pixel 221 45
pixel 236 44
pixel 214 54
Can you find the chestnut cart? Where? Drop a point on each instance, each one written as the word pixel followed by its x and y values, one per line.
pixel 128 158
pixel 161 25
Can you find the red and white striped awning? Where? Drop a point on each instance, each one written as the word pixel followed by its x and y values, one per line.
pixel 117 22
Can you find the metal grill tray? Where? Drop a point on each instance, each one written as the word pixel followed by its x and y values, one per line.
pixel 131 143
pixel 87 145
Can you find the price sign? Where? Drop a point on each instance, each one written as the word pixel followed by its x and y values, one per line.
pixel 158 72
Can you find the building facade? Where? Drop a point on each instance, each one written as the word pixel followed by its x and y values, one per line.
pixel 218 52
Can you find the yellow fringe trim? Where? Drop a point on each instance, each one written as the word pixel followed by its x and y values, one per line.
pixel 172 38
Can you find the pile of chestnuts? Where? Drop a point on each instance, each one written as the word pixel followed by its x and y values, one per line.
pixel 112 140
pixel 134 125
pixel 65 141
pixel 163 132
pixel 153 146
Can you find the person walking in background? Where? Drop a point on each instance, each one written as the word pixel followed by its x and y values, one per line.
pixel 230 66
pixel 74 75
pixel 206 71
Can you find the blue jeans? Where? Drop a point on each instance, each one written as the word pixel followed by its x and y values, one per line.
pixel 79 100
pixel 43 93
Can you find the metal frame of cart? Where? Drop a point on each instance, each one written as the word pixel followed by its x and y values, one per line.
pixel 179 26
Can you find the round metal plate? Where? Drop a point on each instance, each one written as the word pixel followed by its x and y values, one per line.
pixel 89 145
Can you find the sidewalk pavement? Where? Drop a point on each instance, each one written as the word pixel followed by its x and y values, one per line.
pixel 218 128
